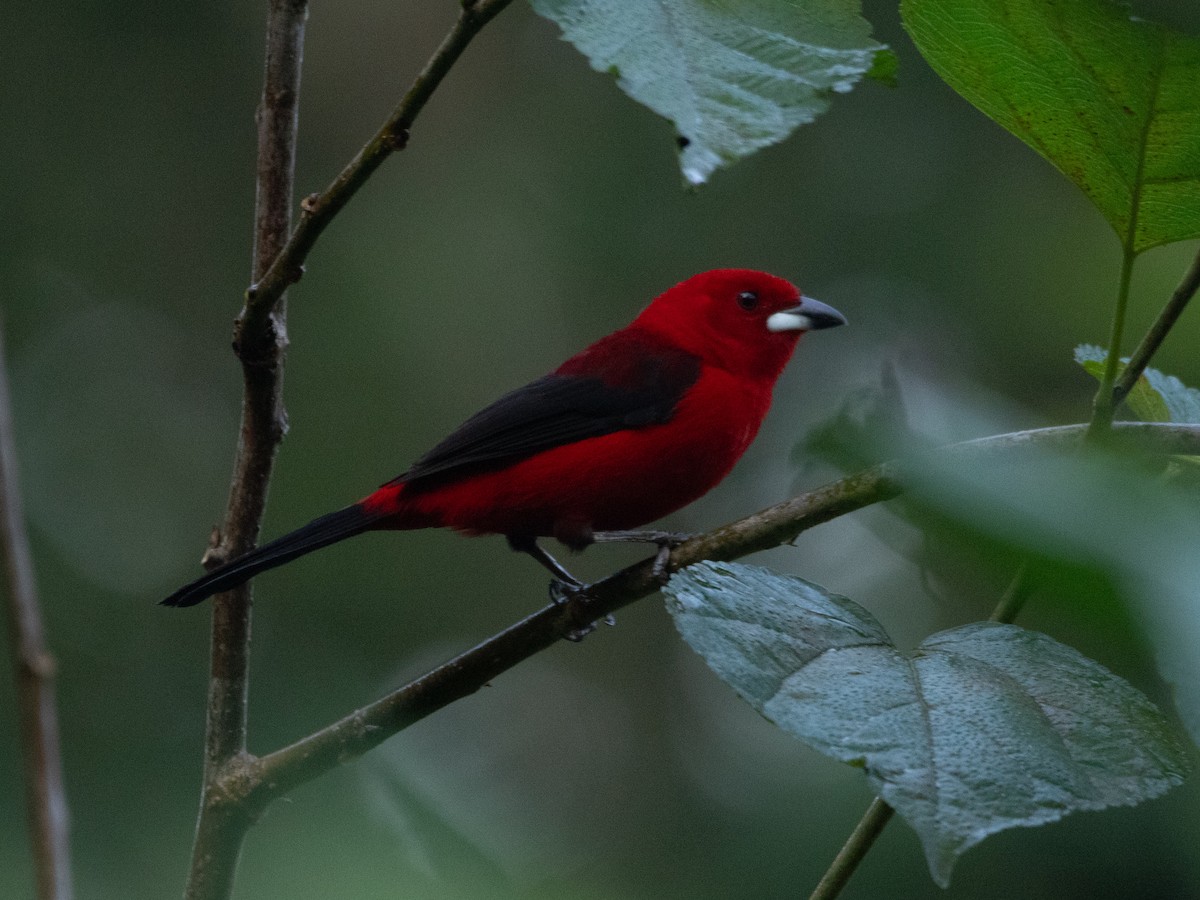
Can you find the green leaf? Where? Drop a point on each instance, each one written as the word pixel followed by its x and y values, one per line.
pixel 982 728
pixel 1109 100
pixel 1147 403
pixel 871 424
pixel 733 76
pixel 885 69
pixel 1155 397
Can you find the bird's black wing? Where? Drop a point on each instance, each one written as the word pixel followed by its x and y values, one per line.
pixel 559 409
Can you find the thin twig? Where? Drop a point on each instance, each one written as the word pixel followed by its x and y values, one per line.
pixel 869 827
pixel 45 796
pixel 1158 332
pixel 260 343
pixel 273 775
pixel 318 210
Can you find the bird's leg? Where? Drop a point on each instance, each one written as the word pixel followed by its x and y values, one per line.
pixel 666 541
pixel 562 577
pixel 562 586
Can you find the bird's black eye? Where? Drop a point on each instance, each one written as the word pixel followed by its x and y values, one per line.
pixel 747 300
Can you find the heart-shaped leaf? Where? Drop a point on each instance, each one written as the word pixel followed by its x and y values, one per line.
pixel 982 728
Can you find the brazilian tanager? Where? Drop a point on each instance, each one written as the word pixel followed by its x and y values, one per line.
pixel 639 424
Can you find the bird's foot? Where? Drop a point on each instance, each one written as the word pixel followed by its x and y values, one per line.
pixel 560 594
pixel 666 541
pixel 651 536
pixel 561 591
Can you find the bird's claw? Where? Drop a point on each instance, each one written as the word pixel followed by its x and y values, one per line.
pixel 560 594
pixel 561 591
pixel 666 541
pixel 668 538
pixel 661 560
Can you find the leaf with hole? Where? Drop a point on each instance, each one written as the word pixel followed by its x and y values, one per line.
pixel 733 77
pixel 980 729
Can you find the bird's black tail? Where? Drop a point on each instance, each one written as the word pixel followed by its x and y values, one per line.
pixel 318 533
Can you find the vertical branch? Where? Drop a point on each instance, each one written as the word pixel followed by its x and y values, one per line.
pixel 46 802
pixel 260 343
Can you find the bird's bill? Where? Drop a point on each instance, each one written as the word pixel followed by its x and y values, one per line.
pixel 807 315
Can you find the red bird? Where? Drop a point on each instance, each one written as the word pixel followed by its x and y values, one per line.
pixel 636 426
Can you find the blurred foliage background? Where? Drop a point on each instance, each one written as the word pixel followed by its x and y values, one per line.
pixel 535 209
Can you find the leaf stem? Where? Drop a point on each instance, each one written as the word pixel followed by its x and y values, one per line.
pixel 1104 406
pixel 1014 596
pixel 869 827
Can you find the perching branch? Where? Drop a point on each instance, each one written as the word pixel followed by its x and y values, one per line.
pixel 318 210
pixel 262 780
pixel 45 796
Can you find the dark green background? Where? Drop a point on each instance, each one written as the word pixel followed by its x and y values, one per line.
pixel 535 209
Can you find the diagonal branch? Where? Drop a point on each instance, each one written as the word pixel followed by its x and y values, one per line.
pixel 1158 332
pixel 45 796
pixel 270 776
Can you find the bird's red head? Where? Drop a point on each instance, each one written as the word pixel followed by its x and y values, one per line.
pixel 741 320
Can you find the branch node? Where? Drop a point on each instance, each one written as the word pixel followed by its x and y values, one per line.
pixel 396 138
pixel 234 787
pixel 41 664
pixel 216 553
pixel 262 350
pixel 309 204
